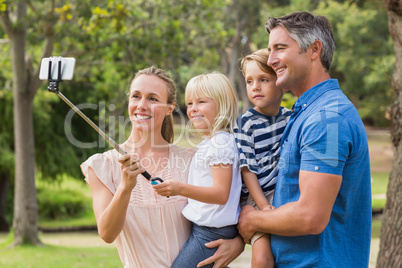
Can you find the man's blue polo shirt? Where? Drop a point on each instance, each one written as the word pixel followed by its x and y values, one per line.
pixel 325 134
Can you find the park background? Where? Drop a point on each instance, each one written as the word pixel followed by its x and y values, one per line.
pixel 111 40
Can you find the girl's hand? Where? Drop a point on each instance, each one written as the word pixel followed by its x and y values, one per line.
pixel 130 169
pixel 168 188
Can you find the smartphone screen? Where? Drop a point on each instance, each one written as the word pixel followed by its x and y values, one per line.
pixel 67 68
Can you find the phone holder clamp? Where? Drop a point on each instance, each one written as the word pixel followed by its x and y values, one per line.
pixel 54 83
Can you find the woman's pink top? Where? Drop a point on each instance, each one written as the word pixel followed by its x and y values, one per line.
pixel 155 230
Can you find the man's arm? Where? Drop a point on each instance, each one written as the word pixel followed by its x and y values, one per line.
pixel 309 215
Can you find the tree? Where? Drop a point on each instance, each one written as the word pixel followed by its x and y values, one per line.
pixel 390 254
pixel 25 85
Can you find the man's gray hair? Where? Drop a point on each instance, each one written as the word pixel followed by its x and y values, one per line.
pixel 305 28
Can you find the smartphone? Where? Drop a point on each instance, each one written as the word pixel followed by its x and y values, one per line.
pixel 67 68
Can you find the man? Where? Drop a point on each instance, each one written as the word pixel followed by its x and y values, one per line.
pixel 323 192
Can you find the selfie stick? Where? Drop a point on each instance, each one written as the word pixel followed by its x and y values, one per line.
pixel 54 87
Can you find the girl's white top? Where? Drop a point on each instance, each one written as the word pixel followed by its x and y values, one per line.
pixel 221 148
pixel 155 230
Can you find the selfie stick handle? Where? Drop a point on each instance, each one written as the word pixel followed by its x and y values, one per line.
pixel 92 124
pixel 97 129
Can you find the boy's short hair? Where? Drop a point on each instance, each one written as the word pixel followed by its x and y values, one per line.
pixel 261 57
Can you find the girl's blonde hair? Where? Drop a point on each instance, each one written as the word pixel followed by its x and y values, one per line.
pixel 167 124
pixel 216 86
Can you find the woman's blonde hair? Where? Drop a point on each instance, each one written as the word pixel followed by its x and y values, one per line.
pixel 167 124
pixel 216 86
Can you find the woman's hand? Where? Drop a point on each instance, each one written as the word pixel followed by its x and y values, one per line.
pixel 130 169
pixel 168 188
pixel 228 251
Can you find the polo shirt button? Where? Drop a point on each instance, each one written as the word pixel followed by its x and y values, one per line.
pixel 305 105
pixel 316 168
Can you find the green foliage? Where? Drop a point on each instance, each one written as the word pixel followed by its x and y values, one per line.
pixel 86 219
pixel 363 60
pixel 6 131
pixel 6 111
pixel 288 100
pixel 62 200
pixel 60 204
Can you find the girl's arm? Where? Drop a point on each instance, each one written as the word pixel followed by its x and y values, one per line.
pixel 254 188
pixel 216 194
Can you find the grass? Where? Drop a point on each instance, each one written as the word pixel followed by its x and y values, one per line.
pixel 90 252
pixel 381 154
pixel 379 188
pixel 60 257
pixel 376 228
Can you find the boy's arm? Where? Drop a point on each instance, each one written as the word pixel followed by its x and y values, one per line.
pixel 254 188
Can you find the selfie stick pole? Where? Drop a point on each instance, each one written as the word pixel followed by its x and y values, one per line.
pixel 54 87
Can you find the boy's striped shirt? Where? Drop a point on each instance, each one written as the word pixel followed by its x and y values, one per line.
pixel 258 138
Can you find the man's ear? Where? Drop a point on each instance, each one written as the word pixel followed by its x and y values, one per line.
pixel 316 49
pixel 171 108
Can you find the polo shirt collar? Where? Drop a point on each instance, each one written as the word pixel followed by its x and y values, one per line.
pixel 313 93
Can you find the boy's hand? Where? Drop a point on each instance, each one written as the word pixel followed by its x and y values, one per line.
pixel 268 207
pixel 168 188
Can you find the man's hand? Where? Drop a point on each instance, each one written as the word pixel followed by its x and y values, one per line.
pixel 244 225
pixel 228 250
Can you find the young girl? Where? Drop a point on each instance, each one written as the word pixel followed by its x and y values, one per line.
pixel 258 134
pixel 214 182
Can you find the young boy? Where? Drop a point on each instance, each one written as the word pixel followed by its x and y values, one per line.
pixel 258 134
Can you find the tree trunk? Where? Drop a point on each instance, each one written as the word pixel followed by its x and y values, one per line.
pixel 390 254
pixel 25 222
pixel 4 186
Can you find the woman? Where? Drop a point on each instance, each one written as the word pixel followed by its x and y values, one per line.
pixel 149 229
